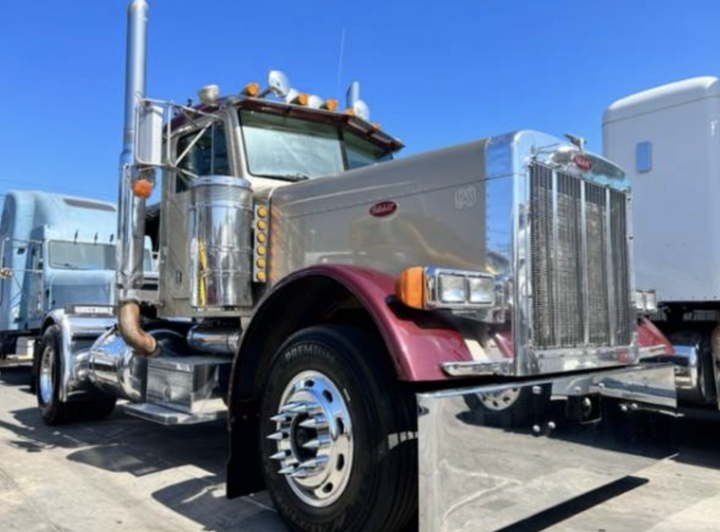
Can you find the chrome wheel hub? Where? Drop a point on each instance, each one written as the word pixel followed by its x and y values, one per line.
pixel 501 400
pixel 47 374
pixel 314 439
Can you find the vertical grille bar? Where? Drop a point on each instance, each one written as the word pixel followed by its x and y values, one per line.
pixel 584 263
pixel 556 311
pixel 578 268
pixel 611 294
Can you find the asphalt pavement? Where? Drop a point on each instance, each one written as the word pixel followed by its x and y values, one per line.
pixel 123 474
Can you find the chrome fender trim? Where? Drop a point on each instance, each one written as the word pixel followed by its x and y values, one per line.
pixel 78 334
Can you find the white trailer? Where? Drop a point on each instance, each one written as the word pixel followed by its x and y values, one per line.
pixel 668 140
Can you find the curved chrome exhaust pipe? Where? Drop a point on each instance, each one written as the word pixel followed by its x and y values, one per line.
pixel 129 326
pixel 131 208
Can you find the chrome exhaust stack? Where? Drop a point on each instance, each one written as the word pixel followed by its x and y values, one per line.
pixel 131 207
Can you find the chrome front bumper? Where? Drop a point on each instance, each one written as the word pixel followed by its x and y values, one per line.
pixel 493 455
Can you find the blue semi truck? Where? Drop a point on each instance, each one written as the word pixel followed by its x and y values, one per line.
pixel 57 258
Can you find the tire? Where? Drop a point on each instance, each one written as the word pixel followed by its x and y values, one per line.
pixel 47 386
pixel 369 481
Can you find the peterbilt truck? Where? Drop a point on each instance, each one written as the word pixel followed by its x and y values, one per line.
pixel 57 255
pixel 447 340
pixel 668 139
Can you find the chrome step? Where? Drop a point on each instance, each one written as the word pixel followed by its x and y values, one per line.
pixel 168 416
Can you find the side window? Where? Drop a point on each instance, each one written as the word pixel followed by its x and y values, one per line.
pixel 208 156
pixel 643 157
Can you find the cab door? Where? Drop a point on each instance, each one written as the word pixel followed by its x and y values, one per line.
pixel 34 291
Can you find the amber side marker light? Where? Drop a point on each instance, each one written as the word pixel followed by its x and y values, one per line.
pixel 142 188
pixel 410 287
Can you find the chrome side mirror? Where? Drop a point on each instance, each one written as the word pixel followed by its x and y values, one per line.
pixel 149 134
pixel 278 83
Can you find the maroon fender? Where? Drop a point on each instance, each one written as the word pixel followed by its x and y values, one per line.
pixel 418 341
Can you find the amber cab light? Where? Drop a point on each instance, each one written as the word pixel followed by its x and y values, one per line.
pixel 302 99
pixel 251 89
pixel 330 104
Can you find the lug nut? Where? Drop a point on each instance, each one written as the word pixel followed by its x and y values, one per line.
pixel 278 436
pixel 281 455
pixel 317 443
pixel 316 422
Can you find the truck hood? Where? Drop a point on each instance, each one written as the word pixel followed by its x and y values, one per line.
pixel 81 287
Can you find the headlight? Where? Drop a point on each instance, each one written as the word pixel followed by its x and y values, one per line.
pixel 482 290
pixel 427 287
pixel 646 301
pixel 452 288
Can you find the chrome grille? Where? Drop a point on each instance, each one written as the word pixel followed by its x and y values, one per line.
pixel 579 262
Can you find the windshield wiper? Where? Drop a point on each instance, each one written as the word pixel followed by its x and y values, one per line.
pixel 68 266
pixel 295 177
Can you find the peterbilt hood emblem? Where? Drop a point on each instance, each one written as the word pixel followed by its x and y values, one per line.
pixel 383 209
pixel 583 162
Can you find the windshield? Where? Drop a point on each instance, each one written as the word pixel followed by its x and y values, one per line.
pixel 290 148
pixel 87 256
pixel 80 256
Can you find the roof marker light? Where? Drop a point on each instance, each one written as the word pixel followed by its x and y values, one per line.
pixel 331 104
pixel 251 89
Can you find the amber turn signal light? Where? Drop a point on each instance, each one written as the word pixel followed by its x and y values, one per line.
pixel 410 287
pixel 142 188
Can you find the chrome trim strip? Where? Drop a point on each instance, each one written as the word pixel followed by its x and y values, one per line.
pixel 477 368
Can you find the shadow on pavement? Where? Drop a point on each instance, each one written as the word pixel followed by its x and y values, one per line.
pixel 203 501
pixel 576 506
pixel 122 444
pixel 698 443
pixel 20 375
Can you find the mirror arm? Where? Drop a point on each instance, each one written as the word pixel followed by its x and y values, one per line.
pixel 192 143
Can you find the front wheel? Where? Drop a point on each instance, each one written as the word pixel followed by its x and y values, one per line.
pixel 48 381
pixel 338 434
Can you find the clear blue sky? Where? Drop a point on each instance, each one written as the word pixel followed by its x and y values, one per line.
pixel 434 73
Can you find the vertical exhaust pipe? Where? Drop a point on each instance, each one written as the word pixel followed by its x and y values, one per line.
pixel 131 208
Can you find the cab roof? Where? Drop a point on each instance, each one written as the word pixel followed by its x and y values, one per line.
pixel 347 122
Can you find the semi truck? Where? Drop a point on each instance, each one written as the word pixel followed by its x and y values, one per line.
pixel 668 139
pixel 447 341
pixel 57 255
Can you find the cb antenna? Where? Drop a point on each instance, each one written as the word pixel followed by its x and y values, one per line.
pixel 341 57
